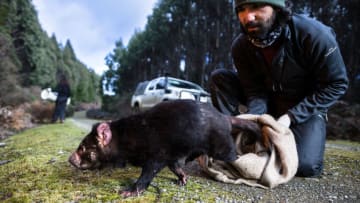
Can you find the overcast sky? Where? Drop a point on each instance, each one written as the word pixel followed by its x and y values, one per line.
pixel 93 26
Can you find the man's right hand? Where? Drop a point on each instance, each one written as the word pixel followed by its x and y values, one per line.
pixel 284 120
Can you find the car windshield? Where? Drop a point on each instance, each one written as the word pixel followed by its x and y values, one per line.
pixel 181 84
pixel 141 88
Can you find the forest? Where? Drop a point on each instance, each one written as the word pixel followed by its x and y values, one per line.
pixel 30 59
pixel 183 38
pixel 197 35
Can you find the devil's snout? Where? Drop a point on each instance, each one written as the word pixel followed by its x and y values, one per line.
pixel 74 159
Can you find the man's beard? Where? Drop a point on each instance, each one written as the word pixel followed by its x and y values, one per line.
pixel 263 28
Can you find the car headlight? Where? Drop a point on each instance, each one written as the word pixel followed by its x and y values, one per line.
pixel 203 99
pixel 187 95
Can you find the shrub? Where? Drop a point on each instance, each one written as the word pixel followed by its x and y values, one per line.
pixel 41 111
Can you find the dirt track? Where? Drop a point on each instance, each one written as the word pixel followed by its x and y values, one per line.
pixel 80 120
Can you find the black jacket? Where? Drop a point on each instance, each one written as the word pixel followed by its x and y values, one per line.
pixel 63 90
pixel 306 77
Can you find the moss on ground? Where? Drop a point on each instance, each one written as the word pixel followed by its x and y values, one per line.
pixel 343 162
pixel 38 171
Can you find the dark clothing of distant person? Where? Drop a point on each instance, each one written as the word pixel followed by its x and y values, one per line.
pixel 63 90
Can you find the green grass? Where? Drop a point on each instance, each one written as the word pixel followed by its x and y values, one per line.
pixel 344 142
pixel 344 162
pixel 38 171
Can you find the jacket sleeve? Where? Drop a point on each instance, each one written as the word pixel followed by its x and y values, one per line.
pixel 251 80
pixel 328 69
pixel 68 91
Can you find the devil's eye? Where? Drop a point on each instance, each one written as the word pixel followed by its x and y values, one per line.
pixel 92 156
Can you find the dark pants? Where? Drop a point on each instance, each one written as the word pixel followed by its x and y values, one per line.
pixel 310 136
pixel 60 107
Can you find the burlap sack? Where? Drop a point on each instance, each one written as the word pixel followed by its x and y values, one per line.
pixel 265 162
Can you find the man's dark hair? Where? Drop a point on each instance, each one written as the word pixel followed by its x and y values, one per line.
pixel 63 79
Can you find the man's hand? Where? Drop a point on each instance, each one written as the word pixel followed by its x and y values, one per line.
pixel 284 120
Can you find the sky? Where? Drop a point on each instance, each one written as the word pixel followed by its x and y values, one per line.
pixel 93 26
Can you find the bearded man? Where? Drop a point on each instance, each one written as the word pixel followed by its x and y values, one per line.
pixel 286 65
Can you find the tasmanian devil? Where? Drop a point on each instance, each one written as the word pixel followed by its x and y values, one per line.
pixel 160 137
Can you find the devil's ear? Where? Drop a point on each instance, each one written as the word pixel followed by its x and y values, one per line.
pixel 103 134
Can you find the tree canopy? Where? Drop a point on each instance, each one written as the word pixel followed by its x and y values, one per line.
pixel 29 57
pixel 196 35
pixel 184 38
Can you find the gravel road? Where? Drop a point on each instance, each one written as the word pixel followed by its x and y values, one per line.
pixel 80 120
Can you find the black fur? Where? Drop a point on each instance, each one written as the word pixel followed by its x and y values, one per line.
pixel 165 134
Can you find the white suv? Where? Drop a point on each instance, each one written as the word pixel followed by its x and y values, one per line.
pixel 150 93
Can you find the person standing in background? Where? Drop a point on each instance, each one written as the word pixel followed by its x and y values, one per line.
pixel 63 91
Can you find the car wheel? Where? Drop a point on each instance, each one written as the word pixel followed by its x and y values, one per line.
pixel 136 109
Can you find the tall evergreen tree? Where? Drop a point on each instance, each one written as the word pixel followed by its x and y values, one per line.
pixel 29 57
pixel 199 34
